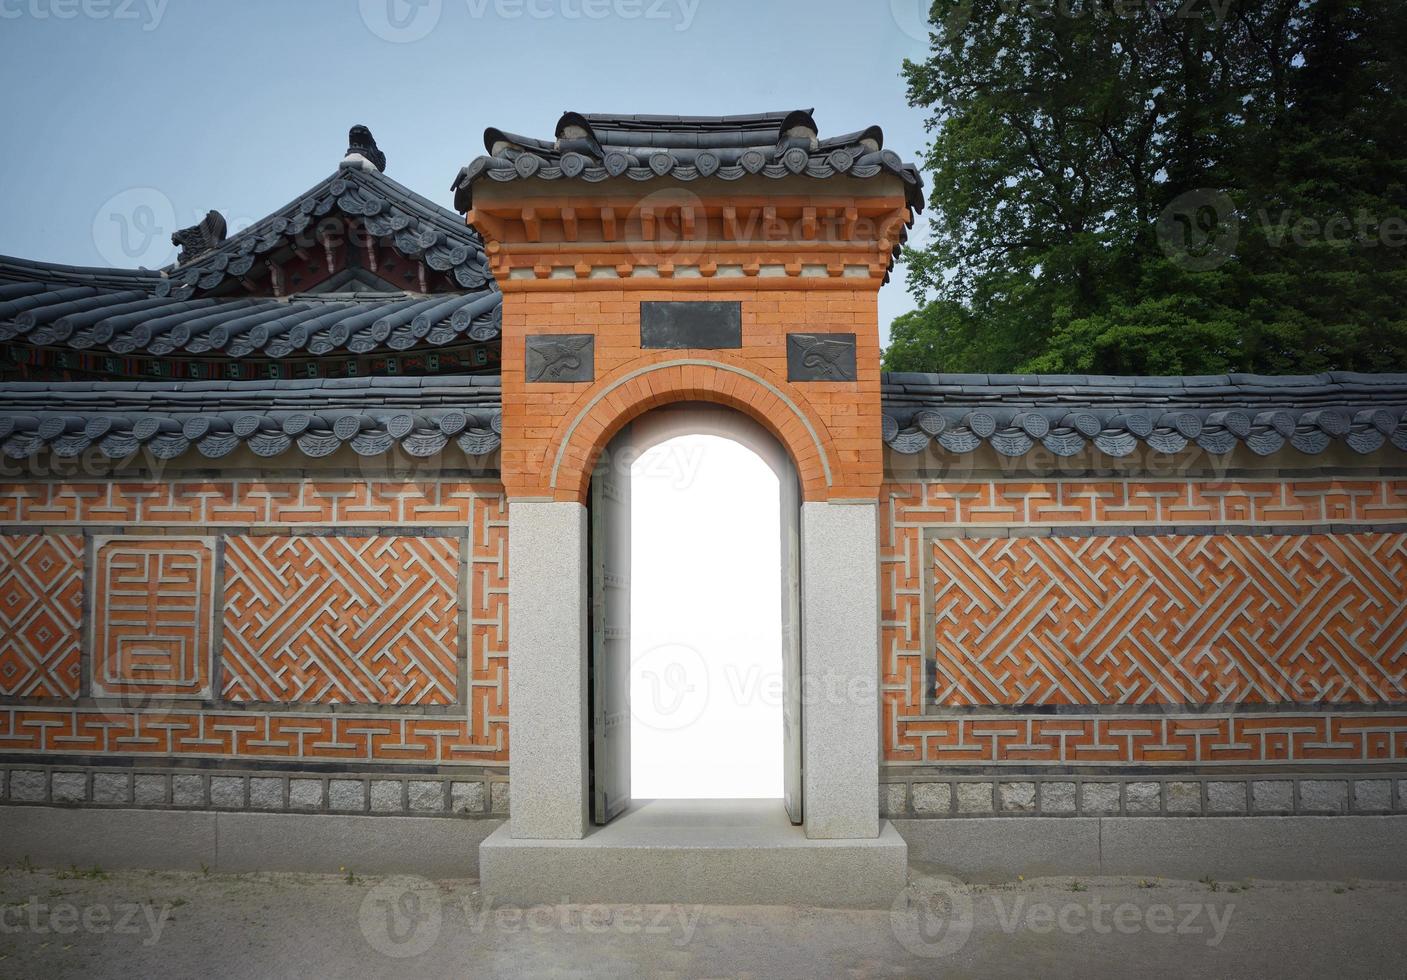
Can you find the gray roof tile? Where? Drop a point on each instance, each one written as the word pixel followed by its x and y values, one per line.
pixel 961 412
pixel 371 415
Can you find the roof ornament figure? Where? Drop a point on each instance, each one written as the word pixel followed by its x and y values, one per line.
pixel 196 240
pixel 362 151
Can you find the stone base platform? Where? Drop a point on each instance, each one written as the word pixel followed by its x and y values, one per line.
pixel 725 852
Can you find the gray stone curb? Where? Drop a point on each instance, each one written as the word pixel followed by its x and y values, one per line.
pixel 466 795
pixel 935 796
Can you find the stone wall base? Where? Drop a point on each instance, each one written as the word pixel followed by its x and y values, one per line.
pixel 469 793
pixel 175 840
pixel 918 793
pixel 1228 849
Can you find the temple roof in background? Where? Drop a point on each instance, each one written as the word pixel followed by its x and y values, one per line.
pixel 356 275
pixel 595 147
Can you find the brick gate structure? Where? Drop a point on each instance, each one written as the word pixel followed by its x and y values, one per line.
pixel 296 544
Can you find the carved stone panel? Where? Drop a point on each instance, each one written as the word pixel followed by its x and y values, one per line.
pixel 561 357
pixel 820 357
pixel 711 324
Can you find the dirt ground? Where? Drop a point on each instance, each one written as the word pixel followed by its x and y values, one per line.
pixel 91 923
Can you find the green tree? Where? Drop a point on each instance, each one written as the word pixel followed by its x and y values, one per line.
pixel 1168 186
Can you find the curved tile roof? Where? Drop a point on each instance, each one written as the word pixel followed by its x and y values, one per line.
pixel 201 309
pixel 1065 414
pixel 98 310
pixel 595 147
pixel 372 416
pixel 418 228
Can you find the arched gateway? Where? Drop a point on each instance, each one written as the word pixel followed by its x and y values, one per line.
pixel 736 267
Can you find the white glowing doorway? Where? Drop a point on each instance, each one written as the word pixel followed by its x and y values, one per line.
pixel 707 605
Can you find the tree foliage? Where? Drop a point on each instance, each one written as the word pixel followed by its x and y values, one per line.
pixel 1161 187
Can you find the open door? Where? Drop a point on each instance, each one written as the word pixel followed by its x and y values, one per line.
pixel 790 494
pixel 610 631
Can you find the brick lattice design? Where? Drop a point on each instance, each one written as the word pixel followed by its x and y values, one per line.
pixel 1186 732
pixel 1190 619
pixel 159 725
pixel 488 626
pixel 240 503
pixel 41 607
pixel 1148 502
pixel 269 735
pixel 152 613
pixel 341 620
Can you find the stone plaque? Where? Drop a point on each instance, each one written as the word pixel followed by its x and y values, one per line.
pixel 702 324
pixel 561 357
pixel 820 357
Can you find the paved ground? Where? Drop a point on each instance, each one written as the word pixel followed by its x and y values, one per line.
pixel 88 923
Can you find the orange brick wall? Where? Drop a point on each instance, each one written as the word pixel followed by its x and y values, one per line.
pixel 227 619
pixel 832 429
pixel 1168 622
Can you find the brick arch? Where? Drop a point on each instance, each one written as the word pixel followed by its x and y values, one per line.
pixel 636 392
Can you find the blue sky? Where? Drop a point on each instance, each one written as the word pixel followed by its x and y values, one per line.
pixel 125 118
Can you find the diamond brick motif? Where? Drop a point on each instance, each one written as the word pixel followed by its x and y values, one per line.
pixel 41 603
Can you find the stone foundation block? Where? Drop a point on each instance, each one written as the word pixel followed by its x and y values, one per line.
pixel 933 798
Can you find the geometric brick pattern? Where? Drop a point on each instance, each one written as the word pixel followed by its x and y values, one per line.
pixel 913 734
pixel 1109 740
pixel 321 735
pixel 1149 502
pixel 240 503
pixel 1274 738
pixel 41 608
pixel 1190 619
pixel 488 624
pixel 341 620
pixel 293 730
pixel 152 609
